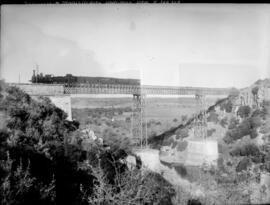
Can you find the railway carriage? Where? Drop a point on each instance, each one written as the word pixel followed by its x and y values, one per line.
pixel 70 80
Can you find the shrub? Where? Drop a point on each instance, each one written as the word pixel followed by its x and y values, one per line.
pixel 128 119
pixel 18 186
pixel 221 148
pixel 220 164
pixel 194 202
pixel 184 118
pixel 255 122
pixel 266 108
pixel 224 122
pixel 133 187
pixel 246 150
pixel 247 127
pixel 233 123
pixel 267 161
pixel 181 133
pixel 40 136
pixel 230 136
pixel 168 141
pixel 175 143
pixel 213 117
pixel 227 106
pixel 244 111
pixel 182 146
pixel 181 170
pixel 153 133
pixel 243 164
pixel 210 132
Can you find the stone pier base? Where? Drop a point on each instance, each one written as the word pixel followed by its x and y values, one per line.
pixel 64 103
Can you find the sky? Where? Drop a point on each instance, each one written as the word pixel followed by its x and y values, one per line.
pixel 167 44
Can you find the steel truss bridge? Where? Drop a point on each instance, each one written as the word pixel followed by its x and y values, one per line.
pixel 139 92
pixel 144 90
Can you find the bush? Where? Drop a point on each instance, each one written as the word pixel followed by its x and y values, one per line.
pixel 194 202
pixel 246 150
pixel 221 148
pixel 243 164
pixel 247 127
pixel 128 119
pixel 181 133
pixel 227 106
pixel 38 134
pixel 267 162
pixel 213 117
pixel 220 164
pixel 224 122
pixel 255 122
pixel 233 123
pixel 181 170
pixel 210 132
pixel 19 187
pixel 175 143
pixel 244 111
pixel 182 146
pixel 184 118
pixel 266 108
pixel 133 187
pixel 168 141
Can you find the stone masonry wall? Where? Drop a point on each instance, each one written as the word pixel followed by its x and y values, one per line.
pixel 64 103
pixel 40 89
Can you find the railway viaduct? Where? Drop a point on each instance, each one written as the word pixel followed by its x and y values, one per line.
pixel 60 95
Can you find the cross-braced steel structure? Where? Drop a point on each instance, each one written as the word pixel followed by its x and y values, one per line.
pixel 139 92
pixel 200 121
pixel 138 126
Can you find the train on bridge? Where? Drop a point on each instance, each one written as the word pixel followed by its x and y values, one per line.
pixel 71 80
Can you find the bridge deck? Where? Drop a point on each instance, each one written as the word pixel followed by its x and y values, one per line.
pixel 58 89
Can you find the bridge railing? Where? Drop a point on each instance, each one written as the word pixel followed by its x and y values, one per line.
pixel 102 89
pixel 60 89
pixel 40 89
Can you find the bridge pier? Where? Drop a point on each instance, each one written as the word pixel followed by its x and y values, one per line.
pixel 64 103
pixel 138 126
pixel 200 121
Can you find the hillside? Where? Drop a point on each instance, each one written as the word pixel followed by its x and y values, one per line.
pixel 238 130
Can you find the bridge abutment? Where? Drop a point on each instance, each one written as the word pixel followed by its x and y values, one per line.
pixel 64 103
pixel 52 91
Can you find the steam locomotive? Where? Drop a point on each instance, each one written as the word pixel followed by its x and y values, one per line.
pixel 69 79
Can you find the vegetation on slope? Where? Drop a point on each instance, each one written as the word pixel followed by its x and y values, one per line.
pixel 46 160
pixel 157 141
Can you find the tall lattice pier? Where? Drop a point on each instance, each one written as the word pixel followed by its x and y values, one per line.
pixel 139 124
pixel 200 123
